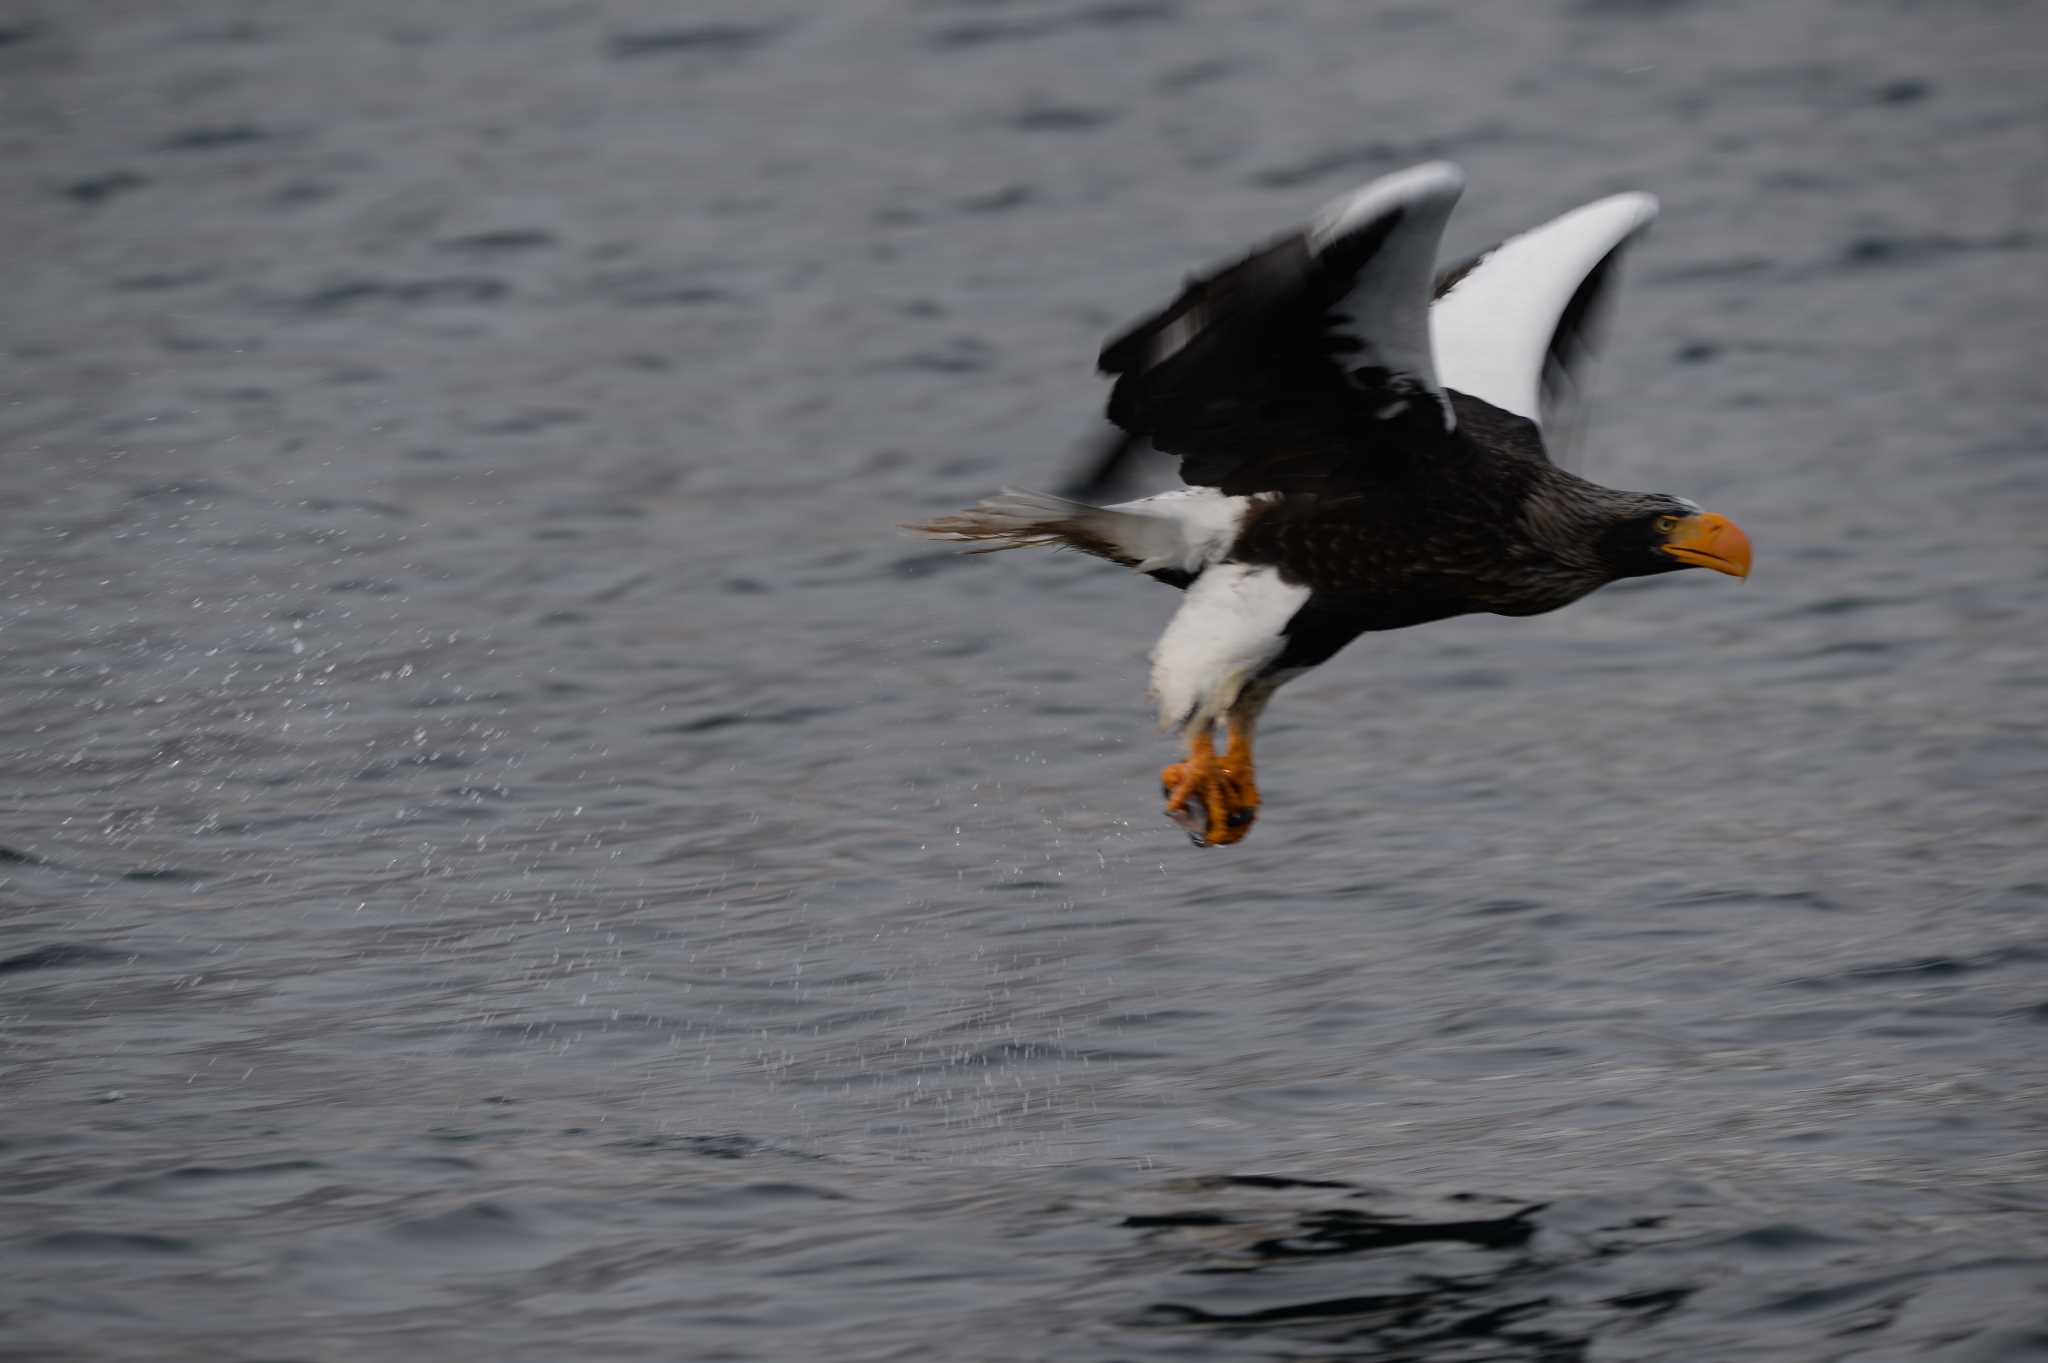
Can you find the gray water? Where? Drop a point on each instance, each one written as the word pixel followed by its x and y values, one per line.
pixel 509 855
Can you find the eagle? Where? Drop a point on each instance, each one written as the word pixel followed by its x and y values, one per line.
pixel 1363 443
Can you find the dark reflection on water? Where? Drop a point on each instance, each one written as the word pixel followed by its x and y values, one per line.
pixel 508 854
pixel 1461 1296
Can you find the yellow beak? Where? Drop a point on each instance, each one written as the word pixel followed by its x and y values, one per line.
pixel 1710 541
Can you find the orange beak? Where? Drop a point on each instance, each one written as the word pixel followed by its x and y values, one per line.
pixel 1710 541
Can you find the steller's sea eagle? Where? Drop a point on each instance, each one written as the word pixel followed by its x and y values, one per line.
pixel 1364 447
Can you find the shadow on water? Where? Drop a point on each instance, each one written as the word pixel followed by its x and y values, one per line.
pixel 1343 1279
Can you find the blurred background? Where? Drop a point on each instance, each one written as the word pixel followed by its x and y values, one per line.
pixel 509 854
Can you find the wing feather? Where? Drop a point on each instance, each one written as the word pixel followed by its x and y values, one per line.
pixel 1514 324
pixel 1288 370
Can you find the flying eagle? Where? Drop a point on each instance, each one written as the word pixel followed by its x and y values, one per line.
pixel 1364 446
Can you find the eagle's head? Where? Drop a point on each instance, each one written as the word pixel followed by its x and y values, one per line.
pixel 1659 533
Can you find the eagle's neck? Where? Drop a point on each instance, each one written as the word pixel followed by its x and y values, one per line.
pixel 1566 522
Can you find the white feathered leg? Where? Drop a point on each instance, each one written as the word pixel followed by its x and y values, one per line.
pixel 1212 664
pixel 1228 630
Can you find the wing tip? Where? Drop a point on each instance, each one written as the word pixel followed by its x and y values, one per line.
pixel 1432 183
pixel 1637 207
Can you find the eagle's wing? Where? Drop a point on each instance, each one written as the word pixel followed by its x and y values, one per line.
pixel 1291 369
pixel 1513 324
pixel 1106 466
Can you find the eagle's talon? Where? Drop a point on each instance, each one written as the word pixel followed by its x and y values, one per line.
pixel 1213 802
pixel 1173 780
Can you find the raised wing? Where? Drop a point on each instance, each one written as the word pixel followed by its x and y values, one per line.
pixel 1285 371
pixel 1512 324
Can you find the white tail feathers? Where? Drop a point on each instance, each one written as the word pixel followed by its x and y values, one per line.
pixel 1181 531
pixel 1012 520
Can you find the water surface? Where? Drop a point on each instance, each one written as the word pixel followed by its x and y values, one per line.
pixel 509 855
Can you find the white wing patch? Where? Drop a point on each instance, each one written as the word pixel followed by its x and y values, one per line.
pixel 1228 629
pixel 1387 308
pixel 1492 332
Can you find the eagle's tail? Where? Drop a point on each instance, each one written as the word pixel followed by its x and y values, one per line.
pixel 1021 520
pixel 1172 536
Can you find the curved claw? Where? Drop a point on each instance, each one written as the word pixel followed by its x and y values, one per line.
pixel 1192 815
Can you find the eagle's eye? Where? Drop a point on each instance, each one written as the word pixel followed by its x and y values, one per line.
pixel 1666 524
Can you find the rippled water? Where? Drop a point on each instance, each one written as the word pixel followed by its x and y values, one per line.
pixel 509 855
